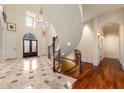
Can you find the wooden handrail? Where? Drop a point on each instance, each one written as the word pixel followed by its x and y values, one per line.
pixel 78 60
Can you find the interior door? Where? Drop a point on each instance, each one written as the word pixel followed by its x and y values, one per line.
pixel 10 45
pixel 29 48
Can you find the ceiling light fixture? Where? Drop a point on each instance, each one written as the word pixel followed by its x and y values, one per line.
pixel 42 20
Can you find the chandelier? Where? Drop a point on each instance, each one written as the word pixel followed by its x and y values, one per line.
pixel 42 20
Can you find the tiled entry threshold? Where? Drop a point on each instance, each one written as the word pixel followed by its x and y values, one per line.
pixel 32 73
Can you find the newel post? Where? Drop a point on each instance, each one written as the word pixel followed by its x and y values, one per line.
pixel 78 62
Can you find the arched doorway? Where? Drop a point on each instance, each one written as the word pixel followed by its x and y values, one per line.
pixel 30 45
pixel 110 41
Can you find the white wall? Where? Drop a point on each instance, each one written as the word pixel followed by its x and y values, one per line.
pixel 52 33
pixel 115 17
pixel 14 16
pixel 87 42
pixel 68 30
pixel 67 21
pixel 111 44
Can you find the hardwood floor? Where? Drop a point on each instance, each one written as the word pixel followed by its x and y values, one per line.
pixel 107 75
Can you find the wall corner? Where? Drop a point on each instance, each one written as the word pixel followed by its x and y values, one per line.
pixel 122 63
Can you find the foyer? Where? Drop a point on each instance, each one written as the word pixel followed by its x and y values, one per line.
pixel 61 46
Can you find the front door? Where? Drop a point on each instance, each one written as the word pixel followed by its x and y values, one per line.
pixel 29 48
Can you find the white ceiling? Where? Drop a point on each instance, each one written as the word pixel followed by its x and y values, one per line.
pixel 111 27
pixel 24 7
pixel 89 10
pixel 92 10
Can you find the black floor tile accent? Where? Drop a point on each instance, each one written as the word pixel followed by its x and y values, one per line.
pixel 66 86
pixel 31 72
pixel 18 74
pixel 42 69
pixel 8 72
pixel 59 77
pixel 31 77
pixel 14 81
pixel 2 77
pixel 46 81
pixel 44 74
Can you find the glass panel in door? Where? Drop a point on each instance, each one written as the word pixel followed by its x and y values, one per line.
pixel 34 46
pixel 26 46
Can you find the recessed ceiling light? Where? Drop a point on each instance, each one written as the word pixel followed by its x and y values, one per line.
pixel 68 43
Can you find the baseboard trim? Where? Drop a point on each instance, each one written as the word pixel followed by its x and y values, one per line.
pixel 95 64
pixel 87 60
pixel 90 61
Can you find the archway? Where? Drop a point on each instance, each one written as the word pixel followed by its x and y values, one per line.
pixel 109 42
pixel 30 45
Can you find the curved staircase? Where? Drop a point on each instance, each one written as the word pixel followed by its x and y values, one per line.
pixel 64 65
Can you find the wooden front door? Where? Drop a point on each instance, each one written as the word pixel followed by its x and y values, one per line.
pixel 29 48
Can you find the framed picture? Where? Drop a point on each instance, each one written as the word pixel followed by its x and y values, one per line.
pixel 11 26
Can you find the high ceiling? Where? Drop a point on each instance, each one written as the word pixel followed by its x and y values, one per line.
pixel 89 10
pixel 92 10
pixel 24 7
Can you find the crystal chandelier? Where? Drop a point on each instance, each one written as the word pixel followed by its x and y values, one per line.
pixel 42 20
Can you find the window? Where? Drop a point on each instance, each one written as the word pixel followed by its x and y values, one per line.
pixel 30 19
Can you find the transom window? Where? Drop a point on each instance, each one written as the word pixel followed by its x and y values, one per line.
pixel 30 19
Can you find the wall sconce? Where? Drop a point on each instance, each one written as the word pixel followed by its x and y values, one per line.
pixel 98 34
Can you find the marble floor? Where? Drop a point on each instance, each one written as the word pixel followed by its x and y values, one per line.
pixel 32 73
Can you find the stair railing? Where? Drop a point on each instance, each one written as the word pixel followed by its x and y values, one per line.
pixel 56 55
pixel 78 64
pixel 57 58
pixel 50 51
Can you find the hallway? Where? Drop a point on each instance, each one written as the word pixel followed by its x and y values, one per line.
pixel 108 74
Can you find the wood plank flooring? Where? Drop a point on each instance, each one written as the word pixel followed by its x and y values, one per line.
pixel 108 75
